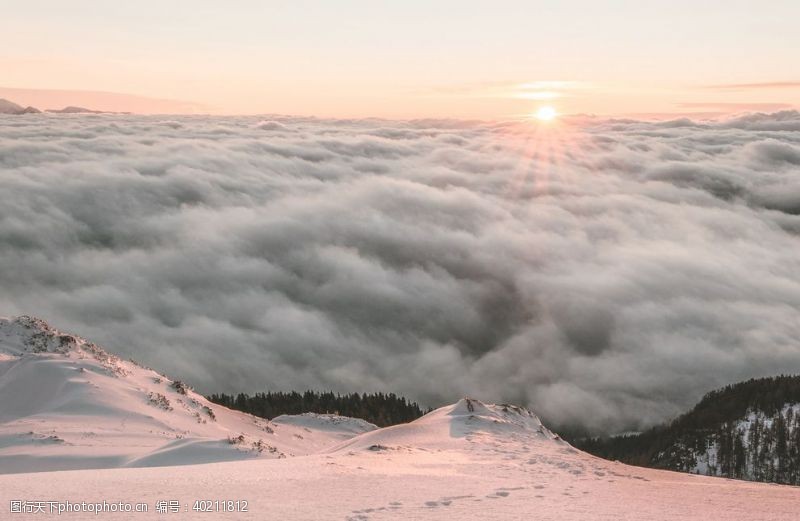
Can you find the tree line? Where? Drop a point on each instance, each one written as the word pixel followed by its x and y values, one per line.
pixel 749 430
pixel 379 408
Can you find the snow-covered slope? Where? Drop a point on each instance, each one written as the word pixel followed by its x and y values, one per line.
pixel 65 403
pixel 467 461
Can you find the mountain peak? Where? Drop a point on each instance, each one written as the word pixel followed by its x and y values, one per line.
pixel 469 415
pixel 27 334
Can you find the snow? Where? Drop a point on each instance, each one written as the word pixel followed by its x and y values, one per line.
pixel 340 427
pixel 444 466
pixel 67 404
pixel 457 426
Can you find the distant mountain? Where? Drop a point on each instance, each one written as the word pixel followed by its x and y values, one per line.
pixel 81 110
pixel 74 110
pixel 9 107
pixel 750 431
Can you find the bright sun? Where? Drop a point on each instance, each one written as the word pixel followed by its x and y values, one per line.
pixel 546 113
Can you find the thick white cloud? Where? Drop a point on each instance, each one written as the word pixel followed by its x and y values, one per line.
pixel 606 272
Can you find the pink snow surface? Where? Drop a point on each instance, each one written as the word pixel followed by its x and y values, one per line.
pixel 78 424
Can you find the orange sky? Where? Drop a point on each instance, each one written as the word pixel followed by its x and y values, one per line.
pixel 354 58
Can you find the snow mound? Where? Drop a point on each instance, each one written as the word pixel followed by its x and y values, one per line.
pixel 332 423
pixel 467 424
pixel 66 403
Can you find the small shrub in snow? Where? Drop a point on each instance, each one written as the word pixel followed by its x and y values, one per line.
pixel 159 400
pixel 259 446
pixel 236 440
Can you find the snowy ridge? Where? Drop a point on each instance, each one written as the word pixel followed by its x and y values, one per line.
pixel 66 403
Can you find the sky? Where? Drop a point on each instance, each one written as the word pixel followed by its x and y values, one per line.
pixel 413 59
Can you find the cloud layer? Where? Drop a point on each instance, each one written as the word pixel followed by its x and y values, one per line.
pixel 605 272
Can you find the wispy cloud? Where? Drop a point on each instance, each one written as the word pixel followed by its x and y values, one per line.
pixel 756 86
pixel 734 107
pixel 534 90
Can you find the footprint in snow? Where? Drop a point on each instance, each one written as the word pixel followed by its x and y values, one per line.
pixel 442 502
pixel 498 494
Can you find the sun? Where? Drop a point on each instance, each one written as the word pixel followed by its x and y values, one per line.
pixel 546 113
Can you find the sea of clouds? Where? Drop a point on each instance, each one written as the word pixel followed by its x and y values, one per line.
pixel 605 272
